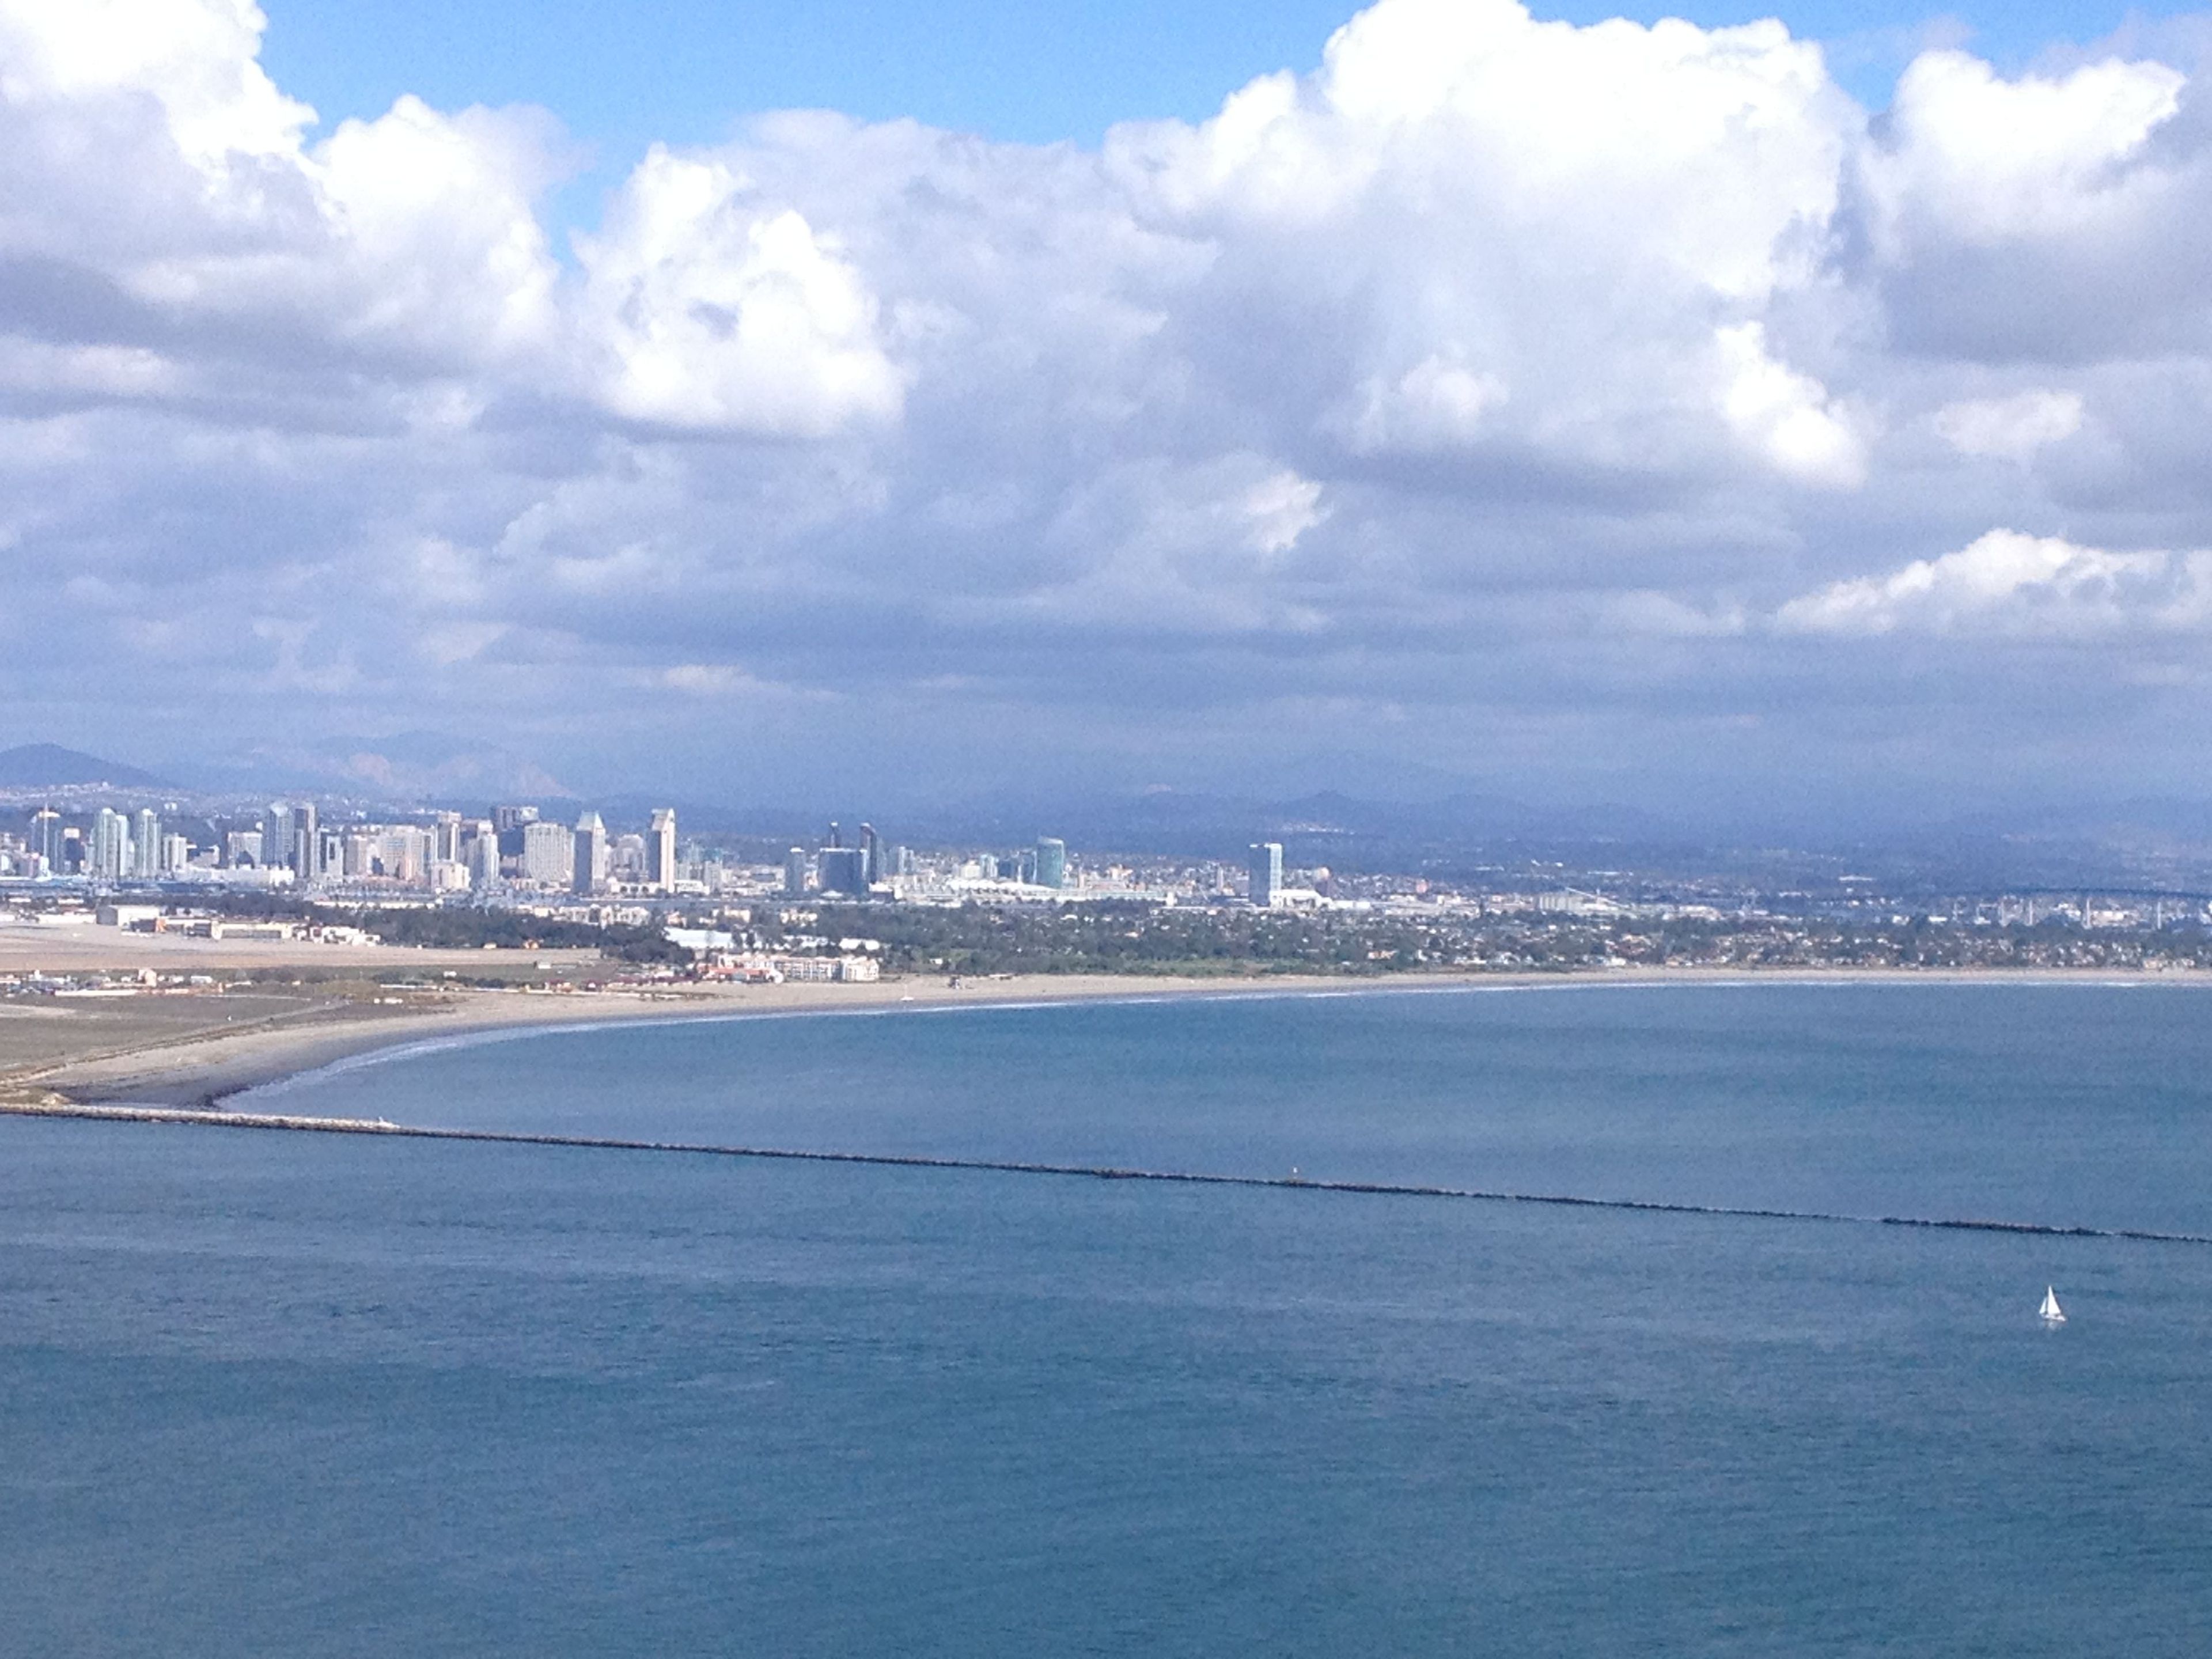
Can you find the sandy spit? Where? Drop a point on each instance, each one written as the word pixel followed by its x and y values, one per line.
pixel 201 1067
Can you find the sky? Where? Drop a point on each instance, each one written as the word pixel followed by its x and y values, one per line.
pixel 1734 416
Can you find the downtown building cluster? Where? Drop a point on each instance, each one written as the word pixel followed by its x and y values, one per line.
pixel 291 844
pixel 519 855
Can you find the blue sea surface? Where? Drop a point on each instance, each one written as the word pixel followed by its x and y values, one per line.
pixel 298 1395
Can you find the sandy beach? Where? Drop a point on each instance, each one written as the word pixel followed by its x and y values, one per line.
pixel 198 1051
pixel 164 1056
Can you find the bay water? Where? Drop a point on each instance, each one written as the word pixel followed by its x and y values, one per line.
pixel 298 1394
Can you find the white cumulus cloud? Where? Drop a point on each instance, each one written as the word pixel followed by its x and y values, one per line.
pixel 2011 429
pixel 719 310
pixel 1498 375
pixel 2005 582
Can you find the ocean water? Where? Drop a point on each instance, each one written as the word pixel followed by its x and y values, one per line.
pixel 296 1395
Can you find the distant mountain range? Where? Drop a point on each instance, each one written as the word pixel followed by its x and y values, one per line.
pixel 50 766
pixel 412 769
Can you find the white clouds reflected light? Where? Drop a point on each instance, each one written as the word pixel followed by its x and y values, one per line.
pixel 1525 373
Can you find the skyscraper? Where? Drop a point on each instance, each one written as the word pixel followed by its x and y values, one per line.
pixel 146 845
pixel 276 837
pixel 591 871
pixel 110 844
pixel 482 850
pixel 46 835
pixel 837 870
pixel 306 848
pixel 1051 861
pixel 872 856
pixel 660 851
pixel 1265 868
pixel 549 854
pixel 445 838
pixel 794 873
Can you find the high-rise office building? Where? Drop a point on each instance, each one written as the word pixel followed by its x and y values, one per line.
pixel 838 870
pixel 277 837
pixel 445 838
pixel 549 854
pixel 794 873
pixel 146 844
pixel 110 859
pixel 1266 870
pixel 660 851
pixel 872 856
pixel 356 857
pixel 407 854
pixel 46 835
pixel 483 854
pixel 1051 861
pixel 590 868
pixel 505 818
pixel 308 855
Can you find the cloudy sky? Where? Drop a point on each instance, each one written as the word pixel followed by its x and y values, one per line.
pixel 1714 415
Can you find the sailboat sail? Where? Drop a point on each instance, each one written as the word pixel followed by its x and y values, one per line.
pixel 2050 1310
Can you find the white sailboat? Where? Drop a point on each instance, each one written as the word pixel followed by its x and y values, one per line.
pixel 2050 1312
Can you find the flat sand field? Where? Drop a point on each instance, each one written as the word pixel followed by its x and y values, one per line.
pixel 25 947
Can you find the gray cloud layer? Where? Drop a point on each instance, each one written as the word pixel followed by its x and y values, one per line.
pixel 1606 411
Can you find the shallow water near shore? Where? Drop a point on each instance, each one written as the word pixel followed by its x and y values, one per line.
pixel 277 1394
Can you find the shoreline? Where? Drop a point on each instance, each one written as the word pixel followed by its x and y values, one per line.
pixel 202 1067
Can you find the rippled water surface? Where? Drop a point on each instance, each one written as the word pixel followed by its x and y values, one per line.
pixel 271 1394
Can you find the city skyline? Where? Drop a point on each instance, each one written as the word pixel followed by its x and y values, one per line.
pixel 1800 418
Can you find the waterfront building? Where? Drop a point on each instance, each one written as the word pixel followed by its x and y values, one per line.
pixel 626 858
pixel 110 844
pixel 176 853
pixel 412 851
pixel 358 855
pixel 1265 869
pixel 591 854
pixel 794 873
pixel 275 836
pixel 146 844
pixel 482 850
pixel 46 835
pixel 660 851
pixel 840 870
pixel 1051 861
pixel 549 854
pixel 308 855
